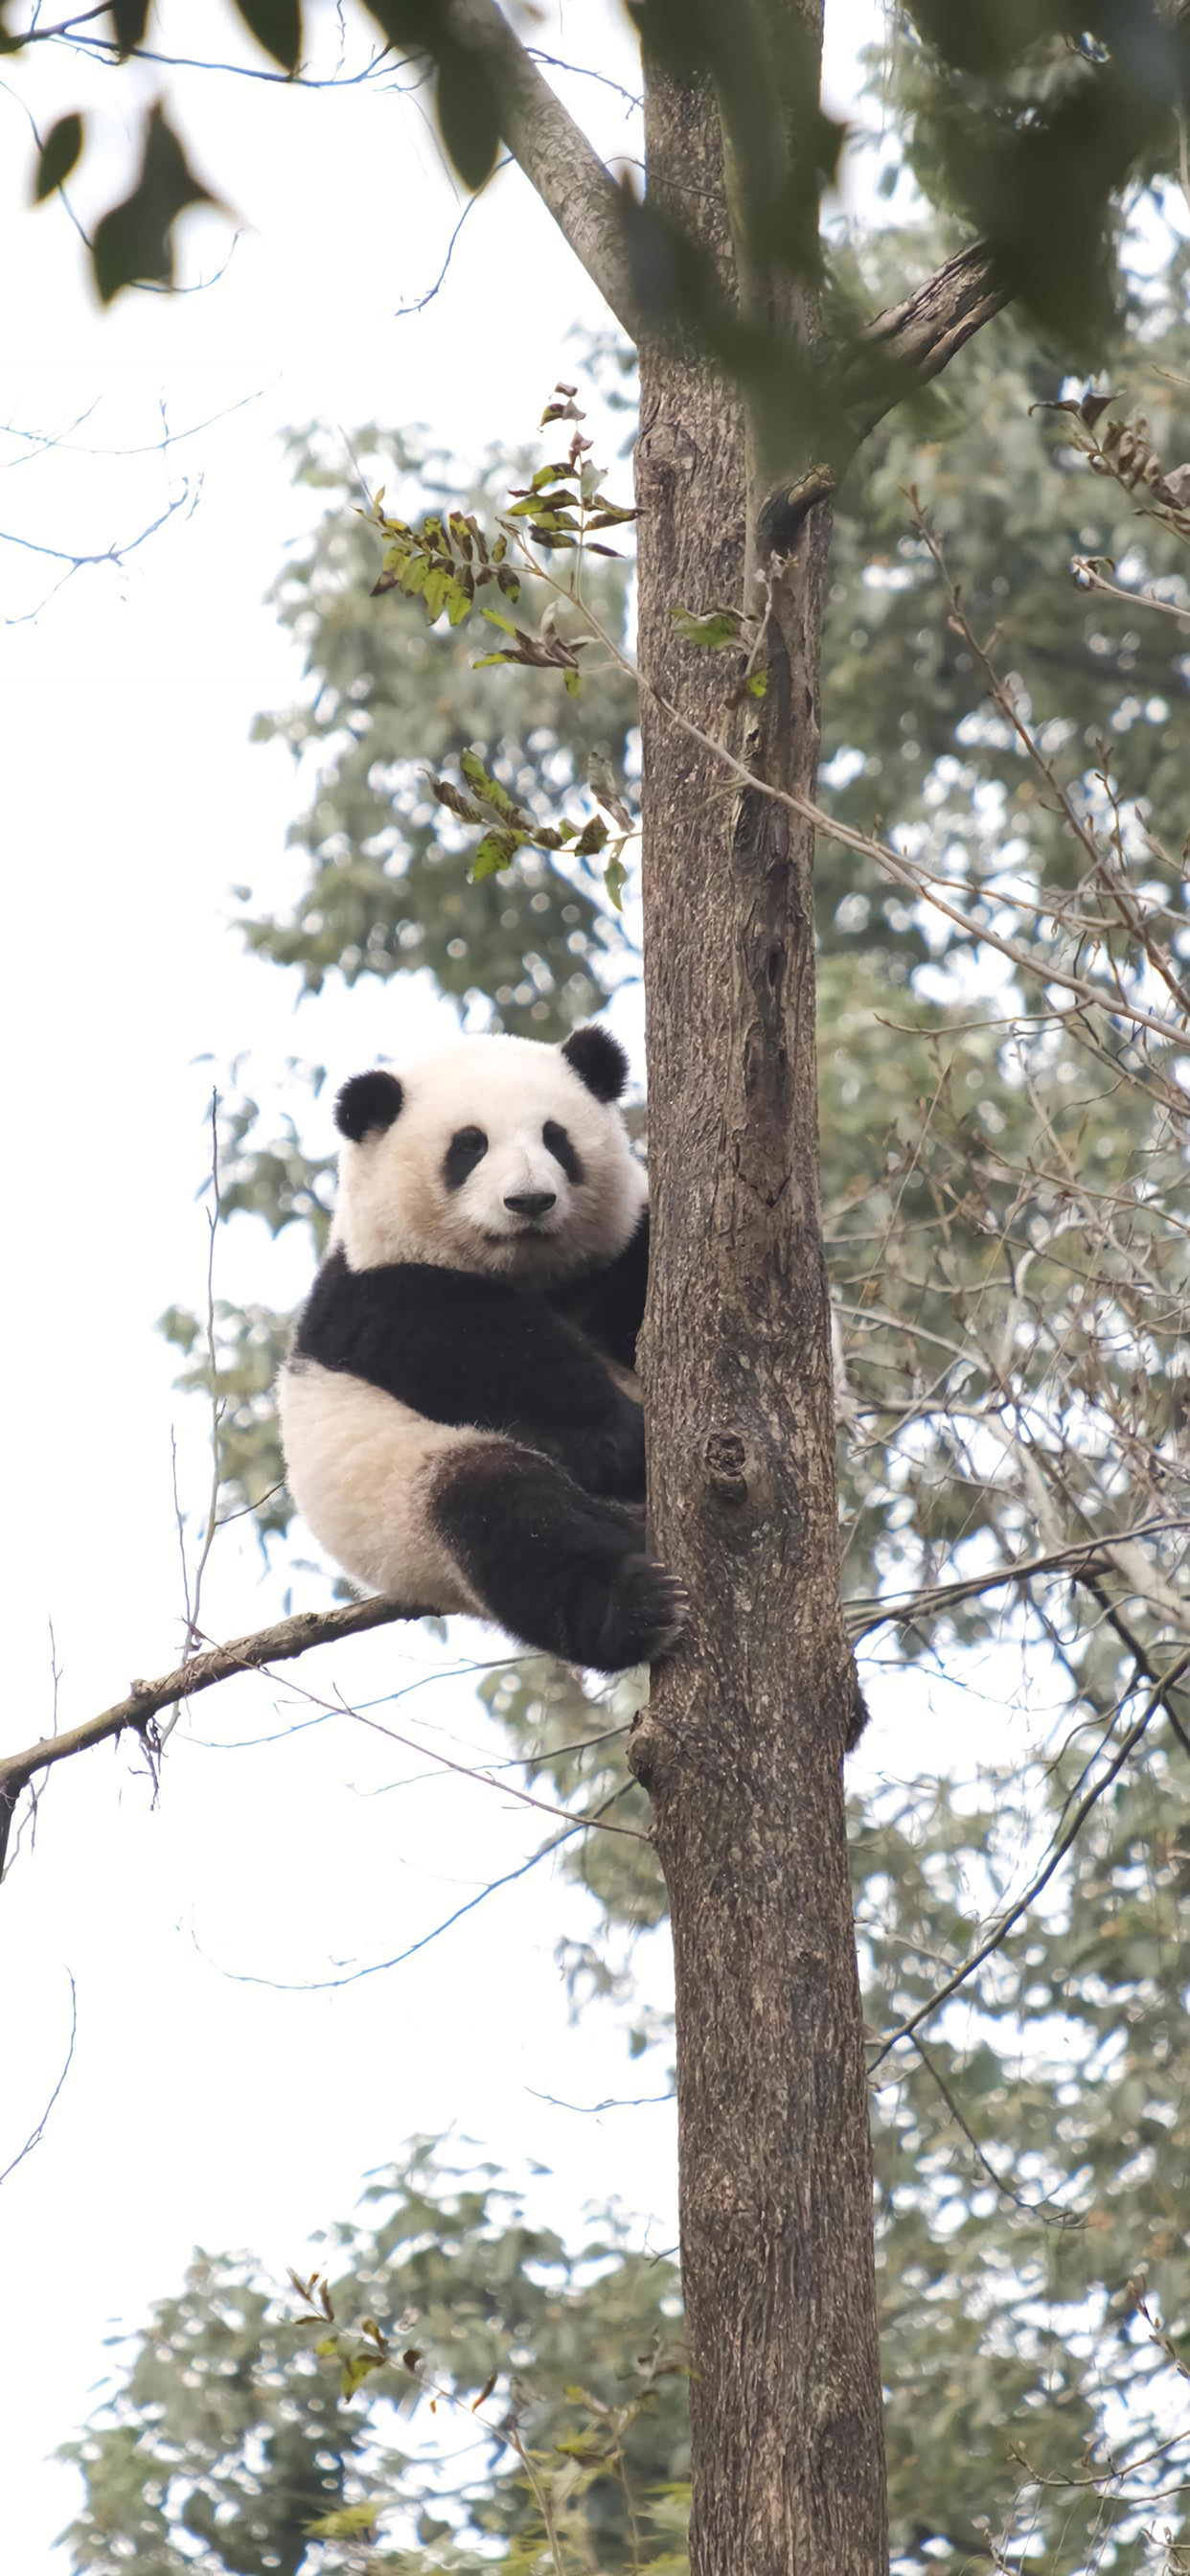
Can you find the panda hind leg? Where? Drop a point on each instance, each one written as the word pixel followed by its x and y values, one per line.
pixel 561 1570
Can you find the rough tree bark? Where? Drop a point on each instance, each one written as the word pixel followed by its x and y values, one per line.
pixel 741 1745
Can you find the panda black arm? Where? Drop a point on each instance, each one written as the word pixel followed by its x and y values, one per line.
pixel 468 1350
pixel 608 1305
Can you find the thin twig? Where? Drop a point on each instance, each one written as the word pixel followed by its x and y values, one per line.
pixel 1058 1852
pixel 381 1967
pixel 1030 2208
pixel 468 1771
pixel 1082 1559
pixel 214 1213
pixel 35 2135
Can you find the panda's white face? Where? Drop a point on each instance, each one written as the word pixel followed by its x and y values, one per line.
pixel 495 1155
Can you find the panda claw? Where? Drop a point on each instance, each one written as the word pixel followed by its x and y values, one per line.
pixel 646 1616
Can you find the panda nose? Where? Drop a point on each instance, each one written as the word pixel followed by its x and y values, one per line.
pixel 531 1202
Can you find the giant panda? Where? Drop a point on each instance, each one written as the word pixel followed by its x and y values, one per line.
pixel 461 1422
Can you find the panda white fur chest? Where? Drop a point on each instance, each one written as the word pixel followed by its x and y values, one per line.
pixel 458 1409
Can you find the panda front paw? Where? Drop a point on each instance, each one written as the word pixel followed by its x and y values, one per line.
pixel 611 1462
pixel 645 1615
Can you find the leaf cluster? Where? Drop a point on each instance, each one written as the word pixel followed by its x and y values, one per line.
pixel 391 696
pixel 506 826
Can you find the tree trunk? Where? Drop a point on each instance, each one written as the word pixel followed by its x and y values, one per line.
pixel 741 1745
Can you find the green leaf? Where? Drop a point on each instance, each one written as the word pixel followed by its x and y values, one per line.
pixel 720 626
pixel 277 25
pixel 615 878
pixel 491 790
pixel 497 620
pixel 58 155
pixel 496 851
pixel 134 240
pixel 434 589
pixel 346 2521
pixel 574 682
pixel 355 2372
pixel 757 684
pixel 592 838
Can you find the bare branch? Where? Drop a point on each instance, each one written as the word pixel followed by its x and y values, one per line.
pixel 554 154
pixel 380 1967
pixel 927 330
pixel 1083 1559
pixel 420 302
pixel 35 2135
pixel 113 554
pixel 276 1645
pixel 469 1771
pixel 1127 1635
pixel 1030 2208
pixel 914 340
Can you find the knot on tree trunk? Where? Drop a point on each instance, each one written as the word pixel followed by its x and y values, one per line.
pixel 725 1458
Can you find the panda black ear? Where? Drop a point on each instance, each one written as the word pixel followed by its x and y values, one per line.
pixel 367 1105
pixel 598 1059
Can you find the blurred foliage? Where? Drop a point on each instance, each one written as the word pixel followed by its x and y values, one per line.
pixel 1033 2169
pixel 228 2433
pixel 394 697
pixel 1011 1236
pixel 908 737
pixel 1031 121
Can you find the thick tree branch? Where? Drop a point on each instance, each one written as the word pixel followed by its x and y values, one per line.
pixel 277 1645
pixel 926 331
pixel 911 343
pixel 554 154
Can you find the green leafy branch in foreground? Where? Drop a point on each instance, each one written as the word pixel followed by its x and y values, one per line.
pixel 447 561
pixel 508 827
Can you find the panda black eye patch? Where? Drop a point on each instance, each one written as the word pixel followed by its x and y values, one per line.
pixel 462 1154
pixel 557 1143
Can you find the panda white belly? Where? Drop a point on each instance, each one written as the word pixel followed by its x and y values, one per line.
pixel 360 1468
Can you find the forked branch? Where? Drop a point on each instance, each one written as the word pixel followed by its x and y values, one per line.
pixel 908 344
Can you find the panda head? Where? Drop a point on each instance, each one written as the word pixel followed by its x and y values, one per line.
pixel 499 1154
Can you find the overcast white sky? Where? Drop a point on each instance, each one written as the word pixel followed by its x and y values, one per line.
pixel 199 2108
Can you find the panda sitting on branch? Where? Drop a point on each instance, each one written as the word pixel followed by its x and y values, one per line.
pixel 461 1420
